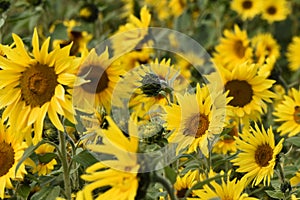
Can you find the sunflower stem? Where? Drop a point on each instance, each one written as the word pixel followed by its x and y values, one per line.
pixel 166 184
pixel 64 161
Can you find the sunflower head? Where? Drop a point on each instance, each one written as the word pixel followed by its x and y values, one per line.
pixel 275 10
pixel 89 12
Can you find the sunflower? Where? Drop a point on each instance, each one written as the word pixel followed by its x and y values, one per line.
pixel 226 143
pixel 248 89
pixel 33 85
pixel 197 119
pixel 133 34
pixel 100 79
pixel 275 10
pixel 119 175
pixel 11 151
pixel 159 8
pixel 247 9
pixel 43 168
pixel 295 180
pixel 229 189
pixel 234 49
pixel 177 7
pixel 265 46
pixel 292 54
pixel 258 154
pixel 288 113
pixel 186 182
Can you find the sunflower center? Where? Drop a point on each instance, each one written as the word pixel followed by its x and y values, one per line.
pixel 271 10
pixel 263 155
pixel 247 4
pixel 241 91
pixel 7 158
pixel 181 193
pixel 92 74
pixel 230 138
pixel 196 125
pixel 239 48
pixel 38 84
pixel 297 114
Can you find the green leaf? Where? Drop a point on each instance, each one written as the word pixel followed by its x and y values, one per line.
pixel 42 194
pixel 170 174
pixel 30 150
pixel 23 191
pixel 275 194
pixel 294 140
pixel 54 193
pixel 85 158
pixel 47 157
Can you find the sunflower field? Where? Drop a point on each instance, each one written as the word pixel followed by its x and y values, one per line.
pixel 150 99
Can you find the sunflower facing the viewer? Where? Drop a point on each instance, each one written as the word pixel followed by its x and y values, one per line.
pixel 34 84
pixel 246 8
pixel 275 10
pixel 258 154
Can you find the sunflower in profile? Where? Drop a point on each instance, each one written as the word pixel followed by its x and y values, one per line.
pixel 185 182
pixel 288 113
pixel 249 91
pixel 258 154
pixel 117 177
pixel 228 189
pixel 100 79
pixel 197 119
pixel 34 84
pixel 11 151
pixel 234 49
pixel 247 9
pixel 275 10
pixel 292 54
pixel 265 47
pixel 133 34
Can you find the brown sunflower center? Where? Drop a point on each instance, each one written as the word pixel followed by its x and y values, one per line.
pixel 263 155
pixel 38 84
pixel 271 10
pixel 92 73
pixel 247 4
pixel 239 48
pixel 233 133
pixel 241 91
pixel 297 114
pixel 196 125
pixel 7 158
pixel 181 193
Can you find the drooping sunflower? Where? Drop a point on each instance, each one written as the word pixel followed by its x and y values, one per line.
pixel 265 47
pixel 288 113
pixel 234 48
pixel 34 84
pixel 185 182
pixel 247 9
pixel 258 154
pixel 229 189
pixel 197 119
pixel 12 148
pixel 118 175
pixel 133 34
pixel 292 54
pixel 249 90
pixel 275 10
pixel 100 79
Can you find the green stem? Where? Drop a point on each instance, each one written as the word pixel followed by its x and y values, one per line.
pixel 166 185
pixel 64 161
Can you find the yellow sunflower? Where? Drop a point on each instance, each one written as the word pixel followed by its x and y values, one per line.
pixel 234 49
pixel 34 84
pixel 275 10
pixel 258 154
pixel 100 79
pixel 229 189
pixel 177 7
pixel 132 34
pixel 247 9
pixel 295 180
pixel 11 151
pixel 265 46
pixel 249 90
pixel 186 182
pixel 43 168
pixel 119 174
pixel 197 119
pixel 293 54
pixel 288 113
